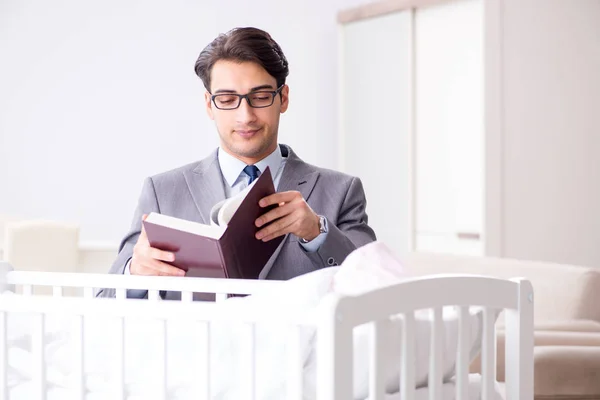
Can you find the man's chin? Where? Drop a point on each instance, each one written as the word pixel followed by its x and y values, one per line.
pixel 250 150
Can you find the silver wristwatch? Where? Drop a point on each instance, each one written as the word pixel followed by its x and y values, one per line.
pixel 322 227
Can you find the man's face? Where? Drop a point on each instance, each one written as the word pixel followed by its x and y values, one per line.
pixel 248 133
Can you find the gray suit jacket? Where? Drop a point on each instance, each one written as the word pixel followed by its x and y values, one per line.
pixel 189 192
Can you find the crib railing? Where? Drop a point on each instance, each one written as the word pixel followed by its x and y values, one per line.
pixel 335 321
pixel 121 283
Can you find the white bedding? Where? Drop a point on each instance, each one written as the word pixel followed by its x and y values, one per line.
pixel 26 391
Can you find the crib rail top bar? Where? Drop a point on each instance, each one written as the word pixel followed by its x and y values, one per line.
pixel 430 292
pixel 228 310
pixel 114 281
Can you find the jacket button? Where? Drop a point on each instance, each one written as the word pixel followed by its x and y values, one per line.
pixel 331 261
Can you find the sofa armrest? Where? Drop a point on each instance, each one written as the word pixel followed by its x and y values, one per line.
pixel 566 338
pixel 577 325
pixel 572 371
pixel 573 344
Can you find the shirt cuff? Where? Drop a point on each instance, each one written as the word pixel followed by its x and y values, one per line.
pixel 126 272
pixel 316 243
pixel 133 293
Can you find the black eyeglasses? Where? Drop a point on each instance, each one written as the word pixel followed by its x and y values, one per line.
pixel 258 99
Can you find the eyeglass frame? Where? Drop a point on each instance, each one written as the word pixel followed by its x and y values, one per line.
pixel 247 97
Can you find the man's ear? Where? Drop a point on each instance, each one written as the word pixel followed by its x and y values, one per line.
pixel 285 98
pixel 207 101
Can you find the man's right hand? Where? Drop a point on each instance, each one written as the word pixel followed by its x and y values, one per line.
pixel 147 260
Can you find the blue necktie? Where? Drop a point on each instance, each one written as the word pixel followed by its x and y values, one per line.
pixel 252 171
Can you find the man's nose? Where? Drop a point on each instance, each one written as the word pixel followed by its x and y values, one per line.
pixel 244 112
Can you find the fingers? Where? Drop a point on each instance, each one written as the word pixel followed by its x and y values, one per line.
pixel 156 267
pixel 160 255
pixel 143 235
pixel 274 214
pixel 280 227
pixel 144 265
pixel 278 198
pixel 147 260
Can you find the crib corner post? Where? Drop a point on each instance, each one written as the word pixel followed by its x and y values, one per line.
pixel 519 345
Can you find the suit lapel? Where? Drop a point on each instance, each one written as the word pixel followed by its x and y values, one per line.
pixel 297 175
pixel 205 183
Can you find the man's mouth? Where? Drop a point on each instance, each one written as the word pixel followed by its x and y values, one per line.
pixel 246 133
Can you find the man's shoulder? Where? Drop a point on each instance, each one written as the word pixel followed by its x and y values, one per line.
pixel 178 172
pixel 334 175
pixel 328 174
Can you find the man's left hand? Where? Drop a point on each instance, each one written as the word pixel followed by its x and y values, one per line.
pixel 293 215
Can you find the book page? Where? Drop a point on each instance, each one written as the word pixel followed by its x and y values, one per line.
pixel 211 231
pixel 222 212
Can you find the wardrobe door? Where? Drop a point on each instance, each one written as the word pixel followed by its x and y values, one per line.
pixel 375 127
pixel 449 129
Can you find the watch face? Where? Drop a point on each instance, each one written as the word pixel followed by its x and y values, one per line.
pixel 322 224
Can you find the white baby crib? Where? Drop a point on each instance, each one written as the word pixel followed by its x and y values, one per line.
pixel 333 346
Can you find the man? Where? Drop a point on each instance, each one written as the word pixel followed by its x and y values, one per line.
pixel 321 212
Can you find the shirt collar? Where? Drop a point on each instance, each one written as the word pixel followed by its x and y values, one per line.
pixel 231 167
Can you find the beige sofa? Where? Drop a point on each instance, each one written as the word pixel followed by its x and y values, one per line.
pixel 567 319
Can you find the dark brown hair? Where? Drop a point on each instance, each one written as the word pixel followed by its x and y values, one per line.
pixel 243 44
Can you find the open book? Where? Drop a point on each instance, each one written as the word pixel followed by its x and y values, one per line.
pixel 225 248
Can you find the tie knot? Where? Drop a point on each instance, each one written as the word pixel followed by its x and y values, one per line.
pixel 252 171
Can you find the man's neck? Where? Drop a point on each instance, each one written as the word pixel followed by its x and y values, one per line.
pixel 250 160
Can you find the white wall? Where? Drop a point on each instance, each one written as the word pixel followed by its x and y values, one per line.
pixel 95 96
pixel 551 140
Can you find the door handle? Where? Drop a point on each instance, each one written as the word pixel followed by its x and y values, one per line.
pixel 468 235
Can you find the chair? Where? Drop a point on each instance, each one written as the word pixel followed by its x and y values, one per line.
pixel 42 246
pixel 5 219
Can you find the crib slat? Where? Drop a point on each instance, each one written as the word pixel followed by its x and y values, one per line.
pixel 162 349
pixel 88 292
pixel 3 358
pixel 488 355
pixel 37 350
pixel 407 377
pixel 57 291
pixel 153 294
pixel 79 377
pixel 376 360
pixel 187 296
pixel 27 290
pixel 295 364
pixel 334 352
pixel 120 361
pixel 462 357
pixel 121 293
pixel 250 339
pixel 202 359
pixel 436 355
pixel 220 297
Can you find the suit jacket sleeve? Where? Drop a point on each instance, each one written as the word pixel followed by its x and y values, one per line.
pixel 349 232
pixel 147 203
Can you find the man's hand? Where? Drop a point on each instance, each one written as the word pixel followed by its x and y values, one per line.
pixel 147 260
pixel 293 215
